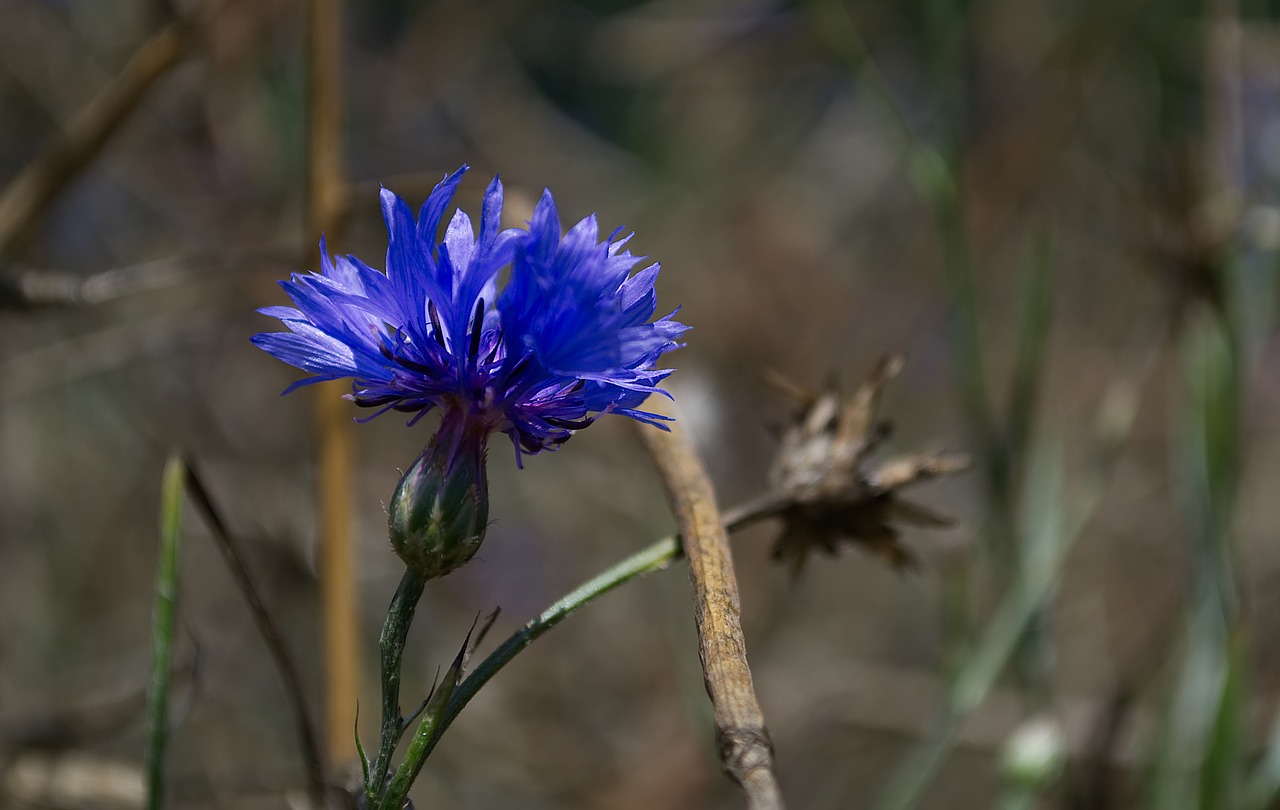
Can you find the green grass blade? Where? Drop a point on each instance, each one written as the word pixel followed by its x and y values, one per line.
pixel 162 627
pixel 1046 543
pixel 1222 777
pixel 1262 790
pixel 1033 338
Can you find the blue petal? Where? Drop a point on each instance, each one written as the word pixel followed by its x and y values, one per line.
pixel 283 313
pixel 437 201
pixel 410 268
pixel 568 339
pixel 491 214
pixel 309 350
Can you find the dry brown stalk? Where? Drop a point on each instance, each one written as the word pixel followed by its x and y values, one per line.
pixel 746 751
pixel 331 421
pixel 28 195
pixel 232 553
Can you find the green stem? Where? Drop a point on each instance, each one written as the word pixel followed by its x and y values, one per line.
pixel 652 558
pixel 434 722
pixel 444 706
pixel 162 627
pixel 420 743
pixel 395 630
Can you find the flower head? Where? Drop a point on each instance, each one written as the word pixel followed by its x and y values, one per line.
pixel 568 339
pixel 827 487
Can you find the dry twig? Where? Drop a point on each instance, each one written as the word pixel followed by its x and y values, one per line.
pixel 746 751
pixel 26 198
pixel 325 206
pixel 29 288
pixel 231 553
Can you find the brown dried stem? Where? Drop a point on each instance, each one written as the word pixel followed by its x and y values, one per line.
pixel 28 195
pixel 746 751
pixel 229 546
pixel 325 207
pixel 29 288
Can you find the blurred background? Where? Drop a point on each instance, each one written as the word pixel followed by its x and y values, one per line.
pixel 1064 214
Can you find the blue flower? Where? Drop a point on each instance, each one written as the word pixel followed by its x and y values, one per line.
pixel 568 339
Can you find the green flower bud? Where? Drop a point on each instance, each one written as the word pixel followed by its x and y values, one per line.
pixel 440 510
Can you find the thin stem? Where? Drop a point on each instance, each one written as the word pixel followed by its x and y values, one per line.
pixel 746 751
pixel 649 559
pixel 652 558
pixel 27 197
pixel 419 746
pixel 398 790
pixel 325 193
pixel 162 628
pixel 394 632
pixel 233 555
pixel 448 705
pixel 973 682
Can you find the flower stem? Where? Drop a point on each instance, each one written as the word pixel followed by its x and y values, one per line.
pixel 424 738
pixel 652 558
pixel 444 707
pixel 162 628
pixel 434 722
pixel 394 632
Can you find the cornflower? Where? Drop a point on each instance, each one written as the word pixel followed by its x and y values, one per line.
pixel 568 339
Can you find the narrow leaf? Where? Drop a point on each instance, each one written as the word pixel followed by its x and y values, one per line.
pixel 162 627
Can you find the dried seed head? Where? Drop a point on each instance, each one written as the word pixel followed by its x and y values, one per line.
pixel 833 492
